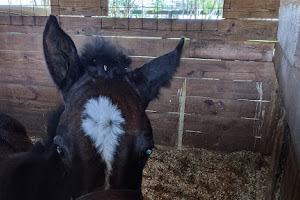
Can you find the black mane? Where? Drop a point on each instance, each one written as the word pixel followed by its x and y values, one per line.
pixel 102 58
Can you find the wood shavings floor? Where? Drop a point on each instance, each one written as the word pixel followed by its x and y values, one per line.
pixel 202 174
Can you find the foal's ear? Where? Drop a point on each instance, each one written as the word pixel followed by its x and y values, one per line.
pixel 157 73
pixel 61 56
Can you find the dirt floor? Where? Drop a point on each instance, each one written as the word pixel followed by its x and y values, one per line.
pixel 202 174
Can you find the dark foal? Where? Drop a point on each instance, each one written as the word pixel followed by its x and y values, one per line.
pixel 13 137
pixel 101 137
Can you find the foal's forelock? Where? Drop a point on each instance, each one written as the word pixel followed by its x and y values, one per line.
pixel 102 122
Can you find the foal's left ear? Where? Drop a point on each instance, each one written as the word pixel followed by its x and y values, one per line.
pixel 61 56
pixel 155 74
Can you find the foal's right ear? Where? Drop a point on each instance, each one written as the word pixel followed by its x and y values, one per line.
pixel 61 56
pixel 155 74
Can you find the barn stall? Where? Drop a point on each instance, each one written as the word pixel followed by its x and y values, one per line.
pixel 226 127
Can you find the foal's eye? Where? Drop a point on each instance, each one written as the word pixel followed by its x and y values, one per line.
pixel 60 150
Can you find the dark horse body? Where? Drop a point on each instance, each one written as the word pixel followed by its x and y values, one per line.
pixel 13 137
pixel 100 137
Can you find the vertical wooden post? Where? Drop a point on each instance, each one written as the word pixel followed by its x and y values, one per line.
pixel 182 98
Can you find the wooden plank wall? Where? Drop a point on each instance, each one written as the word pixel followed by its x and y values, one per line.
pixel 291 176
pixel 251 8
pixel 221 98
pixel 222 103
pixel 75 7
pixel 284 174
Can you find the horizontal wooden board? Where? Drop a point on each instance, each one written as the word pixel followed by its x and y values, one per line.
pixel 28 107
pixel 75 7
pixel 149 47
pixel 225 79
pixel 25 76
pixel 231 50
pixel 207 49
pixel 21 42
pixel 198 48
pixel 31 83
pixel 222 29
pixel 26 92
pixel 13 9
pixel 251 9
pixel 22 59
pixel 216 108
pixel 31 113
pixel 234 29
pixel 23 21
pixel 218 142
pixel 189 68
pixel 223 70
pixel 165 126
pixel 34 124
pixel 223 89
pixel 218 125
pixel 220 94
pixel 164 103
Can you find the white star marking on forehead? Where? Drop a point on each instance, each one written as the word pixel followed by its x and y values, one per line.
pixel 102 121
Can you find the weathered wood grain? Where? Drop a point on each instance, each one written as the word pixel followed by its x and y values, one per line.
pixel 224 70
pixel 22 59
pixel 221 97
pixel 207 124
pixel 24 10
pixel 164 103
pixel 75 7
pixel 189 68
pixel 279 149
pixel 234 29
pixel 251 9
pixel 21 42
pixel 149 46
pixel 25 29
pixel 25 76
pixel 219 142
pixel 26 92
pixel 164 127
pixel 207 49
pixel 203 75
pixel 31 113
pixel 291 177
pixel 34 123
pixel 23 20
pixel 26 107
pixel 226 29
pixel 231 50
pixel 224 89
pixel 218 108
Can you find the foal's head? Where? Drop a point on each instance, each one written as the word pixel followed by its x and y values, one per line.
pixel 103 123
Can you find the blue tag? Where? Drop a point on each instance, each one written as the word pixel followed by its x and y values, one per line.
pixel 148 152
